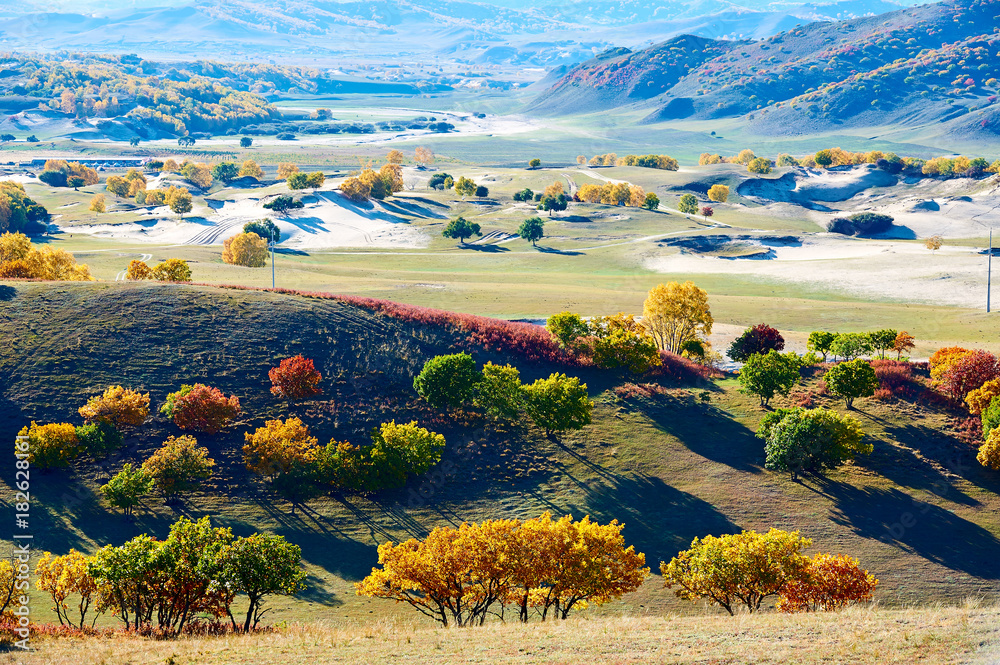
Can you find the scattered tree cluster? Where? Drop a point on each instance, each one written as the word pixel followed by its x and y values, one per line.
pixel 19 259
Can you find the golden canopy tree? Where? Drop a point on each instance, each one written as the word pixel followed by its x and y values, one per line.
pixel 738 569
pixel 676 313
pixel 138 270
pixel 245 249
pixel 395 157
pixel 552 566
pixel 286 169
pixel 423 155
pixel 19 259
pixel 277 446
pixel 98 204
pixel 830 583
pixel 718 193
pixel 250 169
pixel 118 406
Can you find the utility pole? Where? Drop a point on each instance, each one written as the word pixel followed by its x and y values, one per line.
pixel 989 271
pixel 272 262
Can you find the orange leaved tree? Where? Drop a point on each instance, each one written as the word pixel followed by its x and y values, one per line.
pixel 295 378
pixel 830 583
pixel 118 406
pixel 278 446
pixel 459 576
pixel 203 408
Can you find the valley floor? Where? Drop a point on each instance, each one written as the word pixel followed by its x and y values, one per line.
pixel 942 635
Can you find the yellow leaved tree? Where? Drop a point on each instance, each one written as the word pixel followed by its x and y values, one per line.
pixel 676 313
pixel 277 446
pixel 63 576
pixel 118 406
pixel 245 249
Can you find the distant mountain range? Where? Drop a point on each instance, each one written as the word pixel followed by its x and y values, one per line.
pixel 928 65
pixel 505 32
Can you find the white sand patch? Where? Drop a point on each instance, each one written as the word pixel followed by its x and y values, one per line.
pixel 327 220
pixel 865 268
pixel 20 178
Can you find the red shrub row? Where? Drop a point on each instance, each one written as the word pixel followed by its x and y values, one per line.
pixel 679 369
pixel 630 390
pixel 896 379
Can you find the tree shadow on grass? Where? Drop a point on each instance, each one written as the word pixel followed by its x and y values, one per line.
pixel 920 528
pixel 7 293
pixel 561 252
pixel 709 432
pixel 660 520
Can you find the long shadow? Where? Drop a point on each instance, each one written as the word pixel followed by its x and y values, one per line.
pixel 7 293
pixel 955 456
pixel 709 432
pixel 490 249
pixel 924 529
pixel 553 250
pixel 660 520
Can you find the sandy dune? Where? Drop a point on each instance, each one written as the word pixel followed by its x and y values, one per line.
pixel 327 220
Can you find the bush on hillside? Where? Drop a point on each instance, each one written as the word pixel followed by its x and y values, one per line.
pixel 860 224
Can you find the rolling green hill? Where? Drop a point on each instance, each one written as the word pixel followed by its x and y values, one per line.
pixel 672 462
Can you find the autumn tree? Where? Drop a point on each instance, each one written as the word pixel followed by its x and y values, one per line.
pixel 395 157
pixel 978 400
pixel 250 169
pixel 744 157
pixel 199 175
pixel 989 452
pixel 138 271
pixel 51 446
pixel 829 583
pixel 534 163
pixel 967 373
pixel 760 165
pixel 674 313
pixel 447 380
pixel 465 186
pixel 424 156
pixel 558 403
pixel 295 378
pixel 172 270
pixel 566 328
pixel 737 569
pixel 934 243
pixel 179 199
pixel 651 202
pixel 126 489
pixel 718 193
pixel 461 229
pixel 852 379
pixel 63 576
pixel 707 211
pixel 203 408
pixel 798 440
pixel 688 204
pixel 768 374
pixel 259 566
pixel 760 338
pixel 275 447
pixel 245 249
pixel 904 343
pixel 620 342
pixel 98 204
pixel 117 185
pixel 179 466
pixel 119 406
pixel 286 170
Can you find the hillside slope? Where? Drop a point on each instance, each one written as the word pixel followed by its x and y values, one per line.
pixel 919 66
pixel 671 463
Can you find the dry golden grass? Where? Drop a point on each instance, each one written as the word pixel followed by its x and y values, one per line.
pixel 859 635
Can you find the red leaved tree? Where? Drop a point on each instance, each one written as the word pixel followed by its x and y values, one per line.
pixel 295 378
pixel 830 583
pixel 205 409
pixel 969 372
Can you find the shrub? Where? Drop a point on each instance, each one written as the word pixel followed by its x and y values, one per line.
pixel 397 452
pixel 295 378
pixel 99 438
pixel 800 440
pixel 558 403
pixel 203 409
pixel 829 583
pixel 172 270
pixel 896 378
pixel 180 465
pixel 852 379
pixel 766 375
pixel 566 328
pixel 264 228
pixel 619 342
pixel 989 452
pixel 126 489
pixel 51 446
pixel 245 249
pixel 860 224
pixel 499 391
pixel 761 339
pixel 277 446
pixel 737 569
pixel 119 406
pixel 447 380
pixel 990 416
pixel 968 373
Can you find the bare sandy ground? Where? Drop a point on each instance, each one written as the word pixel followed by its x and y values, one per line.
pixel 327 220
pixel 865 268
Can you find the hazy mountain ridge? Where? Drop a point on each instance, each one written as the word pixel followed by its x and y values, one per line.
pixel 867 70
